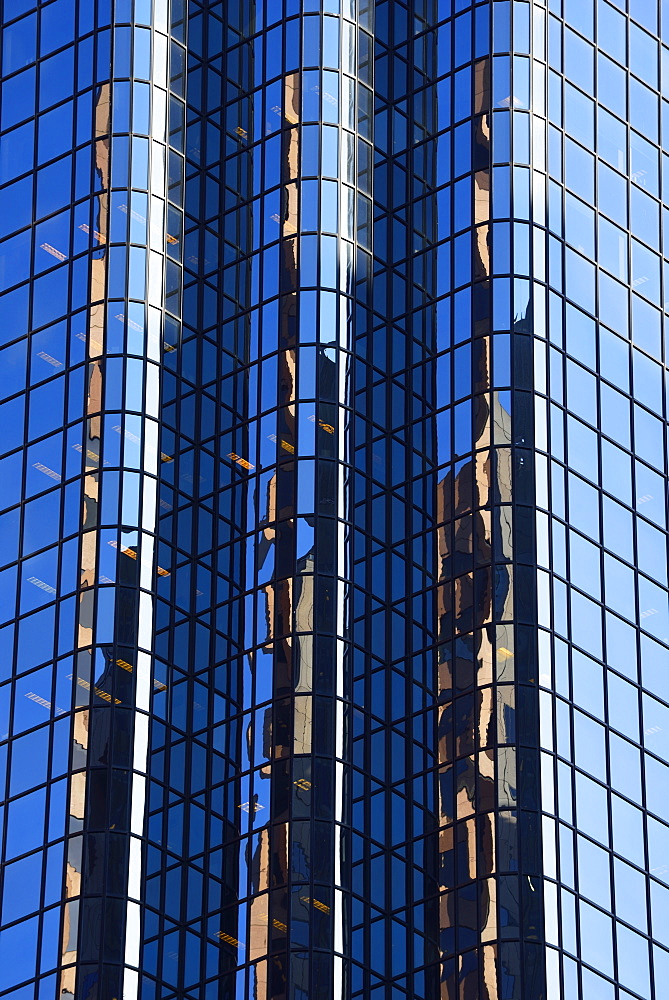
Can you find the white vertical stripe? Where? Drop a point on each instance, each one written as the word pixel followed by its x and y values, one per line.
pixel 141 747
pixel 130 984
pixel 135 870
pixel 143 687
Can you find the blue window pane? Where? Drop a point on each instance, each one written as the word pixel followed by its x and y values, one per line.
pixel 9 536
pixel 16 206
pixel 643 54
pixel 625 767
pixel 613 304
pixel 580 226
pixel 596 938
pixel 660 911
pixel 645 164
pixel 36 638
pixel 612 194
pixel 19 44
pixel 13 364
pixel 654 609
pixel 48 352
pixel 615 411
pixel 584 565
pixel 579 116
pixel 582 445
pixel 14 8
pixel 658 845
pixel 646 272
pixel 25 829
pixel 578 61
pixel 645 217
pixel 50 296
pixel 644 13
pixel 39 579
pixel 44 465
pixel 619 587
pixel 586 628
pixel 644 109
pixel 590 748
pixel 54 133
pixel 611 86
pixel 580 280
pixel 16 151
pixel 22 886
pixel 611 31
pixel 15 259
pixel 622 706
pixel 631 899
pixel 652 550
pixel 646 326
pixel 18 953
pixel 30 761
pixel 650 494
pixel 28 711
pixel 10 480
pixel 613 249
pixel 594 878
pixel 51 945
pixel 11 417
pixel 57 25
pixel 649 432
pixel 41 522
pixel 591 809
pixel 594 987
pixel 52 242
pixel 18 98
pixel 56 78
pixel 583 507
pixel 618 529
pixel 647 381
pixel 8 593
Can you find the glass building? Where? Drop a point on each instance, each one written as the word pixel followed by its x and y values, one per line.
pixel 334 604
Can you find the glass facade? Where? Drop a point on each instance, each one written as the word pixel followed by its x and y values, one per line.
pixel 333 500
pixel 600 438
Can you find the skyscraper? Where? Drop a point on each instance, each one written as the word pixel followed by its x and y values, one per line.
pixel 333 482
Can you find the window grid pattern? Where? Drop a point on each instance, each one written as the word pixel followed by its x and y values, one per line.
pixel 394 907
pixel 491 916
pixel 599 377
pixel 89 325
pixel 253 664
pixel 379 708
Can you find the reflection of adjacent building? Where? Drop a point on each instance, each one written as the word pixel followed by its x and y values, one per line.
pixel 284 599
pixel 486 906
pixel 481 253
pixel 478 758
pixel 304 651
pixel 282 904
pixel 91 487
pixel 475 722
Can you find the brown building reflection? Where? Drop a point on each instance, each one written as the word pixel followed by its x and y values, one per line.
pixel 478 798
pixel 488 910
pixel 476 690
pixel 91 449
pixel 285 723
